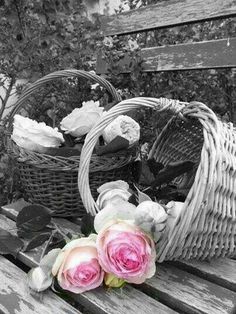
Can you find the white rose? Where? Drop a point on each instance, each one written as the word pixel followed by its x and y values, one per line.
pixel 118 184
pixel 35 136
pixel 81 120
pixel 113 192
pixel 151 217
pixel 122 126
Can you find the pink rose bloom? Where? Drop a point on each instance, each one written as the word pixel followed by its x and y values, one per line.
pixel 77 267
pixel 126 251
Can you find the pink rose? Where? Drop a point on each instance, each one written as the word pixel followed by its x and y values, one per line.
pixel 126 252
pixel 77 267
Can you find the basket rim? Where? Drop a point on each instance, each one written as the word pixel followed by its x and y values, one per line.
pixel 70 163
pixel 57 163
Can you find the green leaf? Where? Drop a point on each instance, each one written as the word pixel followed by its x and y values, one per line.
pixel 142 197
pixel 37 241
pixel 9 244
pixel 87 225
pixel 29 235
pixel 117 144
pixel 171 171
pixel 33 218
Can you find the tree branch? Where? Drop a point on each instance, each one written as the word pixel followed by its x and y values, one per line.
pixel 8 93
pixel 19 18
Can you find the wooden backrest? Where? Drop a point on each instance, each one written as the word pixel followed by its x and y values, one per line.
pixel 219 53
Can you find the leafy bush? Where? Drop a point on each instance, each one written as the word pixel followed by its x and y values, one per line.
pixel 41 36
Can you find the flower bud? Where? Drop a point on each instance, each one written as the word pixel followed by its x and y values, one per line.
pixel 39 278
pixel 112 281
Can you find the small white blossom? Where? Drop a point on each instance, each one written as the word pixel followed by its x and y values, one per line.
pixel 151 217
pixel 108 41
pixel 94 86
pixel 123 126
pixel 132 44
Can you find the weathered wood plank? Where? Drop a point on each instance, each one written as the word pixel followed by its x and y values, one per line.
pixel 15 296
pixel 221 271
pixel 201 55
pixel 128 300
pixel 188 293
pixel 12 210
pixel 166 13
pixel 98 301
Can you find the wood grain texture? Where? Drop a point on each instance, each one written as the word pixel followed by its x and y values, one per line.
pixel 125 301
pixel 13 209
pixel 99 301
pixel 176 288
pixel 201 55
pixel 16 298
pixel 166 13
pixel 188 293
pixel 221 271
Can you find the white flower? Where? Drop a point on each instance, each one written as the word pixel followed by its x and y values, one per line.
pixel 81 120
pixel 108 41
pixel 94 86
pixel 118 184
pixel 114 195
pixel 133 45
pixel 123 126
pixel 119 210
pixel 40 278
pixel 113 192
pixel 151 217
pixel 35 136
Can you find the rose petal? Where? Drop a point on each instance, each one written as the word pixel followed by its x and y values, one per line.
pixel 112 195
pixel 126 252
pixel 112 211
pixel 49 259
pixel 119 184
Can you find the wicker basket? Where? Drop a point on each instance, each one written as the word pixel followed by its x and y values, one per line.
pixel 52 180
pixel 206 227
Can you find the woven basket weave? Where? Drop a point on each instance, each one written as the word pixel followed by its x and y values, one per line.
pixel 52 180
pixel 206 227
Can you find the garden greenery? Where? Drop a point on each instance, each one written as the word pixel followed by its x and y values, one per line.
pixel 41 36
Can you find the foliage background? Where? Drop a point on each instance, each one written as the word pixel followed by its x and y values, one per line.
pixel 41 36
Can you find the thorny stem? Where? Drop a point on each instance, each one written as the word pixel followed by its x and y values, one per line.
pixel 61 232
pixel 47 243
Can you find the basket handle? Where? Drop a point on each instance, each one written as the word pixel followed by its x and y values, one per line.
pixel 161 104
pixel 62 74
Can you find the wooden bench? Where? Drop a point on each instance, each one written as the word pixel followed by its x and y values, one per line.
pixel 178 287
pixel 213 54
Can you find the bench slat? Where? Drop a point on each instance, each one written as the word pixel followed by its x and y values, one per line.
pixel 98 301
pixel 200 55
pixel 188 293
pixel 221 271
pixel 128 300
pixel 12 210
pixel 15 296
pixel 166 13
